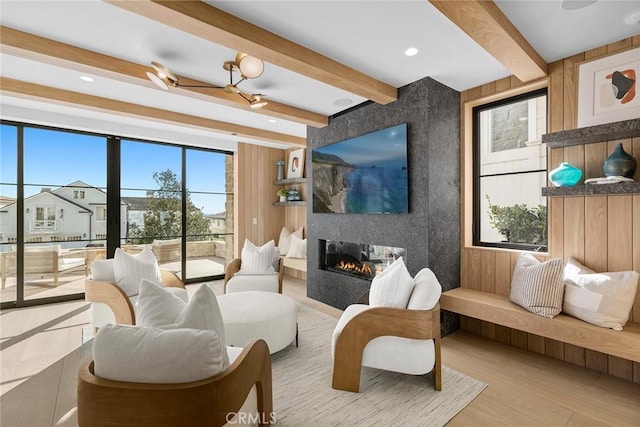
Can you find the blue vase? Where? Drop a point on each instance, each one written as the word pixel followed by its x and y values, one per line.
pixel 619 163
pixel 565 175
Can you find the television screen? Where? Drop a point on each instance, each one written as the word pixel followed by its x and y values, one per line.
pixel 366 174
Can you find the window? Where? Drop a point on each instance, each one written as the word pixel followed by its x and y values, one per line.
pixel 101 213
pixel 78 194
pixel 509 172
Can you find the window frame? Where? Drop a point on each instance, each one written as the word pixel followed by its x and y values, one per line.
pixel 476 155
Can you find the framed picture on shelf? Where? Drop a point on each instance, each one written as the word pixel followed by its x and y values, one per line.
pixel 295 168
pixel 608 89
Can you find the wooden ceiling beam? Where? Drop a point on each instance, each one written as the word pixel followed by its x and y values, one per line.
pixel 205 21
pixel 485 23
pixel 29 46
pixel 22 89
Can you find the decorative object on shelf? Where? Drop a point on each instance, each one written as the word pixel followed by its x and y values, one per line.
pixel 619 163
pixel 293 195
pixel 607 180
pixel 296 163
pixel 282 193
pixel 280 164
pixel 608 89
pixel 565 175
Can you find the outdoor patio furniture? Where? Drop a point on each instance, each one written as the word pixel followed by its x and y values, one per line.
pixel 43 261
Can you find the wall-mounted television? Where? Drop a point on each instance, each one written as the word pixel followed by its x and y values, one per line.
pixel 366 174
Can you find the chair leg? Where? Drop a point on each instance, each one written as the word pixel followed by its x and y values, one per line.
pixel 437 368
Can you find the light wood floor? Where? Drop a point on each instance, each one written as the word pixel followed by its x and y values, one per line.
pixel 40 353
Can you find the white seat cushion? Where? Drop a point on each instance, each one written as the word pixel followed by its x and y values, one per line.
pixel 397 354
pixel 253 282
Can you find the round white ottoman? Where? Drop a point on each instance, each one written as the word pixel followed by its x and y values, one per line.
pixel 252 315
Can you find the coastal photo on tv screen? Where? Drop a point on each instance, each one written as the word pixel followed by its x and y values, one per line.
pixel 366 174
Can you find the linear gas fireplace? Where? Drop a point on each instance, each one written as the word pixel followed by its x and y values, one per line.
pixel 359 260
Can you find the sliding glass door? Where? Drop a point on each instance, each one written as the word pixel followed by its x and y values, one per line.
pixel 62 207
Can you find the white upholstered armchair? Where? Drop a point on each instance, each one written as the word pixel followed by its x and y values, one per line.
pixel 113 301
pixel 259 269
pixel 400 339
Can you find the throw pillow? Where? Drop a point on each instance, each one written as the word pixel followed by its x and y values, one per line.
pixel 602 299
pixel 298 247
pixel 257 260
pixel 284 241
pixel 426 292
pixel 124 353
pixel 392 287
pixel 129 270
pixel 157 306
pixel 537 286
pixel 102 269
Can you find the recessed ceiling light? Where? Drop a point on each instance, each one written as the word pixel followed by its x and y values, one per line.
pixel 575 4
pixel 342 102
pixel 411 51
pixel 272 120
pixel 632 18
pixel 86 78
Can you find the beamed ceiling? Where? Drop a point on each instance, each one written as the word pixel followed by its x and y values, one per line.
pixel 321 57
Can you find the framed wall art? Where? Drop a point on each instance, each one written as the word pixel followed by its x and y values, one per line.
pixel 295 167
pixel 608 89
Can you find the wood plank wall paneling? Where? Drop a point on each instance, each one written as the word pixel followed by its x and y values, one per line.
pixel 603 232
pixel 296 216
pixel 255 193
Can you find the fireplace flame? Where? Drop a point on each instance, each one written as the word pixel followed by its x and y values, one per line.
pixel 352 267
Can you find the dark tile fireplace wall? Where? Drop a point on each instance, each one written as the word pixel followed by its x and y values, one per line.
pixel 431 230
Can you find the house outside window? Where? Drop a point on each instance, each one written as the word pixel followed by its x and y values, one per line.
pixel 78 194
pixel 510 169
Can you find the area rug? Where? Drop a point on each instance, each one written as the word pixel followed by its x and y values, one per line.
pixel 302 393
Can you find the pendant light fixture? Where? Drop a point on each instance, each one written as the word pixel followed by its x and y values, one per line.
pixel 249 67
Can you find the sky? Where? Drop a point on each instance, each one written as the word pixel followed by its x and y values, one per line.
pixel 389 143
pixel 54 158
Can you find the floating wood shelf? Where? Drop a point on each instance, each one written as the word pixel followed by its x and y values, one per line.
pixel 592 190
pixel 296 203
pixel 290 181
pixel 606 132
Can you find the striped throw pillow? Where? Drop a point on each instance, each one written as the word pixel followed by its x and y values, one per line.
pixel 538 286
pixel 257 259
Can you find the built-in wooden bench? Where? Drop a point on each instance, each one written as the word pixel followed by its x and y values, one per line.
pixel 295 263
pixel 499 310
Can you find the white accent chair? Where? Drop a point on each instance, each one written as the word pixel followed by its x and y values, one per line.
pixel 405 340
pixel 235 281
pixel 110 303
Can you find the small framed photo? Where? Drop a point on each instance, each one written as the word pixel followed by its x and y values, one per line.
pixel 295 168
pixel 608 89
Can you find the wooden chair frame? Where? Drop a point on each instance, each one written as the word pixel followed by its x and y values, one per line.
pixel 377 322
pixel 234 265
pixel 210 402
pixel 112 295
